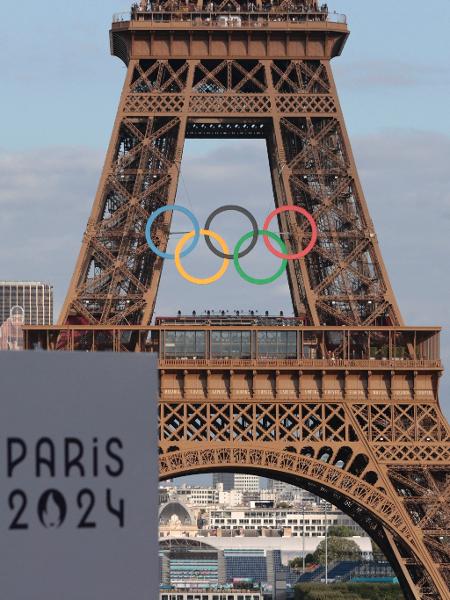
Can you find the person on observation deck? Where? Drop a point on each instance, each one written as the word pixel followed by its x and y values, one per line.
pixel 312 5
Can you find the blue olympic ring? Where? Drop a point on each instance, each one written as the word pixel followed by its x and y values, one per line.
pixel 164 209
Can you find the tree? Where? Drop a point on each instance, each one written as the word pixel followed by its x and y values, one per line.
pixel 340 531
pixel 338 549
pixel 296 563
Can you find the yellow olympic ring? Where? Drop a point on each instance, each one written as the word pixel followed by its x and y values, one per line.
pixel 197 280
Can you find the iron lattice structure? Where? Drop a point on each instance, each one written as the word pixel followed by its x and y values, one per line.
pixel 366 434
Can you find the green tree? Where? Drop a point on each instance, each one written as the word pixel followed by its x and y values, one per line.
pixel 296 563
pixel 338 549
pixel 340 531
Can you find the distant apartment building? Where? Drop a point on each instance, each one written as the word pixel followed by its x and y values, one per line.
pixel 34 298
pixel 286 491
pixel 240 482
pixel 290 522
pixel 23 303
pixel 197 496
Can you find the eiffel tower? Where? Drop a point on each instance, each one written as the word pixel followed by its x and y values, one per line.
pixel 342 399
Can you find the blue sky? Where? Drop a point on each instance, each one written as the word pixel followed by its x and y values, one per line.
pixel 60 89
pixel 61 86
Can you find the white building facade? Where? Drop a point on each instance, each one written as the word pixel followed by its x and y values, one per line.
pixel 290 522
pixel 241 482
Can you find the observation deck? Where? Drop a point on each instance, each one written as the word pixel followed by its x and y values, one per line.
pixel 245 29
pixel 247 341
pixel 275 358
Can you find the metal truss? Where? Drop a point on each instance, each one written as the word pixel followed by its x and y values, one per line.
pixel 403 504
pixel 382 454
pixel 343 281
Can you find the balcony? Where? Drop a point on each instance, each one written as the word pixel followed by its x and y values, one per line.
pixel 257 19
pixel 227 347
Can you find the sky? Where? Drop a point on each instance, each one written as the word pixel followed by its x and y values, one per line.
pixel 60 89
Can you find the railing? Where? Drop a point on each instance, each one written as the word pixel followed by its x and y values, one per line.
pixel 264 347
pixel 167 393
pixel 276 363
pixel 232 19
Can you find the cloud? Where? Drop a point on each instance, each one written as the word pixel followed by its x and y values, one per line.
pixel 407 183
pixel 45 200
pixel 369 74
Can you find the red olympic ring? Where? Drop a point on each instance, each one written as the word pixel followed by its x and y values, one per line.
pixel 308 248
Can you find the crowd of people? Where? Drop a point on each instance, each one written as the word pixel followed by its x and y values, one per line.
pixel 300 6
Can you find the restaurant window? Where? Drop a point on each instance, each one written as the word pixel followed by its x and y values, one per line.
pixel 277 344
pixel 184 344
pixel 230 344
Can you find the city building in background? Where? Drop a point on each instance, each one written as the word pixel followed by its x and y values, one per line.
pixel 288 491
pixel 34 297
pixel 280 486
pixel 284 522
pixel 11 333
pixel 211 512
pixel 217 594
pixel 191 564
pixel 23 303
pixel 218 544
pixel 241 482
pixel 257 565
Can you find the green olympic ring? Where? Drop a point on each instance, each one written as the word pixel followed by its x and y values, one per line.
pixel 240 270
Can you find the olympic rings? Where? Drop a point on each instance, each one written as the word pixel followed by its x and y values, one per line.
pixel 224 253
pixel 245 212
pixel 208 280
pixel 311 244
pixel 156 214
pixel 244 275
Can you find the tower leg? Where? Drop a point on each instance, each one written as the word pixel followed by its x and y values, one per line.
pixel 117 275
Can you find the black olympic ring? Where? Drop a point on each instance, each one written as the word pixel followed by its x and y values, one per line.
pixel 250 217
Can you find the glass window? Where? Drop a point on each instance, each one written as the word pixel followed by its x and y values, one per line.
pixel 184 344
pixel 230 344
pixel 277 344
